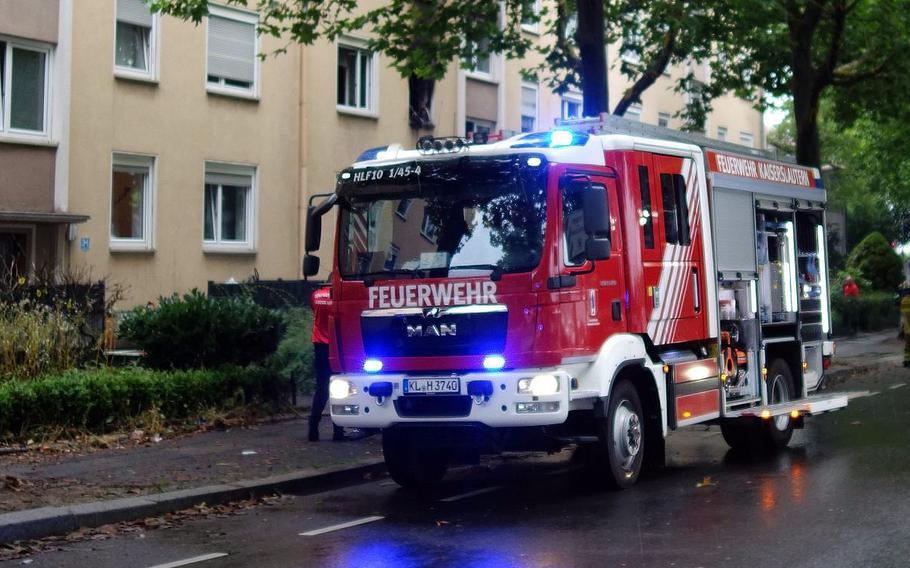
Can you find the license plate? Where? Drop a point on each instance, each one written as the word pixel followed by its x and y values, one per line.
pixel 432 386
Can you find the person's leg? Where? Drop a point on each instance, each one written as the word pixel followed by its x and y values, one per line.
pixel 321 393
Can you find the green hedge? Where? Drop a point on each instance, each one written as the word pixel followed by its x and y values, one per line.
pixel 871 311
pixel 106 399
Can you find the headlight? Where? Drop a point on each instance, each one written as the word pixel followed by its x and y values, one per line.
pixel 539 385
pixel 340 388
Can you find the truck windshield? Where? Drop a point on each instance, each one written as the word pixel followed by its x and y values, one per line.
pixel 465 215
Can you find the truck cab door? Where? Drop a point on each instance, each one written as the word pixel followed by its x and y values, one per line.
pixel 597 297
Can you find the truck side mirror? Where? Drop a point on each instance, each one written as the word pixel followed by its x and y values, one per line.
pixel 310 265
pixel 596 209
pixel 313 230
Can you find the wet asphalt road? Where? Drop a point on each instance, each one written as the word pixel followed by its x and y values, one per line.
pixel 839 496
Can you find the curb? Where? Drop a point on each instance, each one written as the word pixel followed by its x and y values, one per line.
pixel 838 376
pixel 46 521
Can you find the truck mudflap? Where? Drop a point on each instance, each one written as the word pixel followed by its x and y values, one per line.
pixel 816 404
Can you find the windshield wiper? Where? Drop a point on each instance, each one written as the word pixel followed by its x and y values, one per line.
pixel 370 277
pixel 495 271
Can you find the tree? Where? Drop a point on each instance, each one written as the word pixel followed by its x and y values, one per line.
pixel 875 260
pixel 421 37
pixel 803 48
pixel 653 35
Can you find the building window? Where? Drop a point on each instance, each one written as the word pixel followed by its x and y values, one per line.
pixel 571 106
pixel 633 112
pixel 530 21
pixel 528 107
pixel 483 65
pixel 355 77
pixel 135 49
pixel 428 228
pixel 745 138
pixel 24 82
pixel 391 257
pixel 474 126
pixel 663 119
pixel 132 190
pixel 229 207
pixel 403 207
pixel 721 132
pixel 232 64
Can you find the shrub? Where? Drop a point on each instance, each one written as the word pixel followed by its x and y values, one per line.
pixel 293 360
pixel 875 260
pixel 196 331
pixel 871 311
pixel 106 399
pixel 37 339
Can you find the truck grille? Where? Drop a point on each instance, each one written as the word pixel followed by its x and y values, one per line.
pixel 433 406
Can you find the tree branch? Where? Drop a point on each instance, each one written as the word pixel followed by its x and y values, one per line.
pixel 568 49
pixel 652 72
pixel 856 71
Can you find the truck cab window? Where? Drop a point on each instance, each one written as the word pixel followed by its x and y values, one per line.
pixel 573 224
pixel 676 210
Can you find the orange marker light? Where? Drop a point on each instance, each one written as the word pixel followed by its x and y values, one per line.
pixel 687 414
pixel 766 414
pixel 794 414
pixel 764 371
pixel 805 364
pixel 666 368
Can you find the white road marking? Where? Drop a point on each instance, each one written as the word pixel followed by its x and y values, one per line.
pixel 193 560
pixel 341 526
pixel 897 386
pixel 471 494
pixel 860 394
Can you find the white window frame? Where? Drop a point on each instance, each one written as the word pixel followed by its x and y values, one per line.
pixel 7 132
pixel 664 115
pixel 722 132
pixel 150 76
pixel 534 28
pixel 147 242
pixel 232 247
pixel 492 76
pixel 636 109
pixel 426 223
pixel 372 109
pixel 246 17
pixel 408 203
pixel 571 97
pixel 536 89
pixel 743 134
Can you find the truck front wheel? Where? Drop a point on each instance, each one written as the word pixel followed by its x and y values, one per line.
pixel 622 436
pixel 408 464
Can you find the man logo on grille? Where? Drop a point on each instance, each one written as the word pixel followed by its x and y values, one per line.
pixel 432 330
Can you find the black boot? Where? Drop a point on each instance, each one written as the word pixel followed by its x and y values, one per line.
pixel 314 433
pixel 338 434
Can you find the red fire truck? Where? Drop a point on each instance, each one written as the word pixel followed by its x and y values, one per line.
pixel 600 284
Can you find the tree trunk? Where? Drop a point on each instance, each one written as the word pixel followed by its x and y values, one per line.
pixel 420 100
pixel 593 51
pixel 806 84
pixel 805 113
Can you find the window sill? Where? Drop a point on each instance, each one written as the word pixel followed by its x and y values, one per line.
pixel 531 29
pixel 231 93
pixel 223 248
pixel 130 247
pixel 361 112
pixel 135 76
pixel 26 140
pixel 485 77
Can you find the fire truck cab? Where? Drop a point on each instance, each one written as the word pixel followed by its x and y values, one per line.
pixel 599 284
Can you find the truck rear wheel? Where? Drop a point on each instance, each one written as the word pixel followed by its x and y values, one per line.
pixel 779 429
pixel 622 436
pixel 408 464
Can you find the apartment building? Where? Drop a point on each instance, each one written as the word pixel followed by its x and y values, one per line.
pixel 35 216
pixel 162 154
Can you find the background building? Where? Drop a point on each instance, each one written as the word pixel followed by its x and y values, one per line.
pixel 190 159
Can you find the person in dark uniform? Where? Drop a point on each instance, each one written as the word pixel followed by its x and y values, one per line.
pixel 321 301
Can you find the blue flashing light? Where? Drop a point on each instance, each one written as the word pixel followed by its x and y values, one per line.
pixel 561 138
pixel 372 365
pixel 494 362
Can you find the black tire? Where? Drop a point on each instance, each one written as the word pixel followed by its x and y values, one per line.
pixel 409 465
pixel 622 437
pixel 741 434
pixel 779 430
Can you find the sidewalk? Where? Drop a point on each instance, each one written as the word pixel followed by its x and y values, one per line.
pixel 50 493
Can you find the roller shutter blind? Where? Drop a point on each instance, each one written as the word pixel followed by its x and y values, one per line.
pixel 231 49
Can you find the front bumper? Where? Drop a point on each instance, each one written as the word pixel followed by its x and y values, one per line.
pixel 502 408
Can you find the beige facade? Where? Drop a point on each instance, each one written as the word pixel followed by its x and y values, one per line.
pixel 194 164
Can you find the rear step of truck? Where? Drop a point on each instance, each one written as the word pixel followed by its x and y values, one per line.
pixel 806 406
